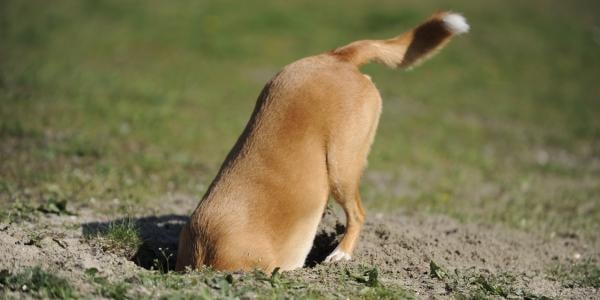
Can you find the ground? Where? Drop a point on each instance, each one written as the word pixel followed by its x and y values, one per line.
pixel 483 181
pixel 399 256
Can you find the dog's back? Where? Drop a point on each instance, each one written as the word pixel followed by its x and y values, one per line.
pixel 308 137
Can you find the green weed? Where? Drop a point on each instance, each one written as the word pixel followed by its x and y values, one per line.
pixel 474 285
pixel 117 291
pixel 18 211
pixel 385 293
pixel 367 276
pixel 162 263
pixel 586 274
pixel 436 271
pixel 37 282
pixel 55 205
pixel 370 286
pixel 207 284
pixel 121 237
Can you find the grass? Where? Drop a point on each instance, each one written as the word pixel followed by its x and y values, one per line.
pixel 18 211
pixel 121 237
pixel 152 105
pixel 105 288
pixel 358 282
pixel 38 283
pixel 585 274
pixel 206 283
pixel 471 285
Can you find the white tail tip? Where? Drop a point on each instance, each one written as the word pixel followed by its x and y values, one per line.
pixel 456 23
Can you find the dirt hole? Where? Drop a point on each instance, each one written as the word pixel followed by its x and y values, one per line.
pixel 159 237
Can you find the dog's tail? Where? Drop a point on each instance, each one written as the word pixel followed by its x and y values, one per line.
pixel 409 48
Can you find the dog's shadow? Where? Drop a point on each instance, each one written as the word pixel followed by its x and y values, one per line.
pixel 160 234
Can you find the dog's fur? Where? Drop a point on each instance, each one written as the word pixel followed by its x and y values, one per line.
pixel 308 138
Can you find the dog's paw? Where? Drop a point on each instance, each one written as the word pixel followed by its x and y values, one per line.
pixel 337 255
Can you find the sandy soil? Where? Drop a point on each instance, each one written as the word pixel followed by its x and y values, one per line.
pixel 402 247
pixel 399 245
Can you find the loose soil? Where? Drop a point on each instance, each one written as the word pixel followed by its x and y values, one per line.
pixel 400 246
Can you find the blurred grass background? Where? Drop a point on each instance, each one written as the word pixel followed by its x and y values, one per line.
pixel 135 100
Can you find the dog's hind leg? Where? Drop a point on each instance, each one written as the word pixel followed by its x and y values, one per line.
pixel 355 216
pixel 346 158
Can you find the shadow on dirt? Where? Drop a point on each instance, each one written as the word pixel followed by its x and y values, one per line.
pixel 160 237
pixel 325 242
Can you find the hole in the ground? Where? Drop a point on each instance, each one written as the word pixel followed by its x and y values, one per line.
pixel 325 242
pixel 328 237
pixel 159 235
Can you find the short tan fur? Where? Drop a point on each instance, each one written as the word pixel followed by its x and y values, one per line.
pixel 308 138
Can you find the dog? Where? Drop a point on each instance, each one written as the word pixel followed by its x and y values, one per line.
pixel 308 138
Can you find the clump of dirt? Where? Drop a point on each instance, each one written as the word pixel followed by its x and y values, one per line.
pixel 402 247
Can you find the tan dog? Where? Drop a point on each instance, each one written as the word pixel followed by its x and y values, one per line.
pixel 308 138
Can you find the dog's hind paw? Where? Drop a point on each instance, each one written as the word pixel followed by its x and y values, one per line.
pixel 337 255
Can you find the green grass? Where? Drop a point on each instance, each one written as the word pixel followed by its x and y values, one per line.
pixel 115 291
pixel 121 237
pixel 474 285
pixel 584 274
pixel 37 283
pixel 118 100
pixel 105 288
pixel 206 284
